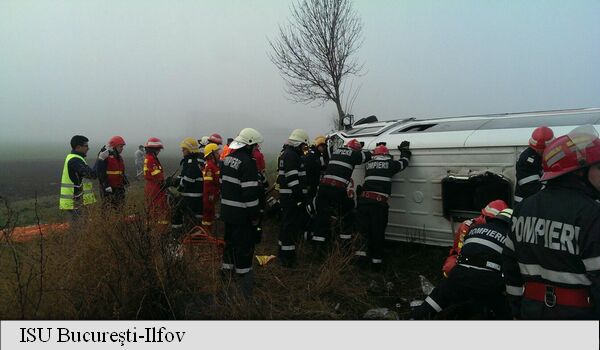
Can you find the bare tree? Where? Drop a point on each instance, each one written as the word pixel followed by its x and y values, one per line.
pixel 314 51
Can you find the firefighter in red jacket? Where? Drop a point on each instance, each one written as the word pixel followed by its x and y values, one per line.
pixel 111 173
pixel 490 211
pixel 156 197
pixel 212 185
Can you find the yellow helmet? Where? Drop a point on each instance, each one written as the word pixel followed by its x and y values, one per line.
pixel 191 144
pixel 210 148
pixel 319 140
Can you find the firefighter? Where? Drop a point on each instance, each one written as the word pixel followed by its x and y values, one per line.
pixel 190 187
pixel 372 201
pixel 75 188
pixel 489 211
pixel 139 161
pixel 156 198
pixel 477 278
pixel 292 195
pixel 240 208
pixel 332 192
pixel 529 165
pixel 203 142
pixel 212 185
pixel 111 173
pixel 552 253
pixel 316 163
pixel 216 139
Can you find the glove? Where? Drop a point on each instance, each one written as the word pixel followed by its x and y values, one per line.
pixel 404 150
pixel 104 154
pixel 108 189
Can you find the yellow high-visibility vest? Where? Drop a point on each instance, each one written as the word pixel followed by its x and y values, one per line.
pixel 67 188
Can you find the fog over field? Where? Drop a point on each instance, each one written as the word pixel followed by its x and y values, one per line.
pixel 188 68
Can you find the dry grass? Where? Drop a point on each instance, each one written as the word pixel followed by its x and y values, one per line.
pixel 112 268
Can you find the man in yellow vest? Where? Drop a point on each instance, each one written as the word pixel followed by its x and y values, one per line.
pixel 76 187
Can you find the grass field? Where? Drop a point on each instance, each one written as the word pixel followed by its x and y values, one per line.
pixel 116 269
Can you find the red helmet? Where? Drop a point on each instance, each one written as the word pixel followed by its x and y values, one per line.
pixel 578 149
pixel 154 142
pixel 354 145
pixel 381 150
pixel 494 208
pixel 215 138
pixel 116 141
pixel 540 138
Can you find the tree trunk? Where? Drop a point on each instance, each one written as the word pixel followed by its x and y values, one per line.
pixel 341 114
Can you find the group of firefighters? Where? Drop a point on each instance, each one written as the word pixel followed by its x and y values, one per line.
pixel 540 260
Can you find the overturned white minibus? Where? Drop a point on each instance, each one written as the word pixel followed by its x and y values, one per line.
pixel 458 165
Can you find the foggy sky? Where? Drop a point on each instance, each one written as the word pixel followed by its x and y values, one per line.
pixel 189 68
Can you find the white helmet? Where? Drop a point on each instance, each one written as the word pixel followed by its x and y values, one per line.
pixel 203 141
pixel 299 136
pixel 247 136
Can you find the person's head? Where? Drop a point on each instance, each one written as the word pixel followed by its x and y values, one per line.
pixel 576 153
pixel 493 208
pixel 79 144
pixel 504 215
pixel 154 145
pixel 381 151
pixel 540 138
pixel 298 138
pixel 320 142
pixel 354 145
pixel 247 138
pixel 141 147
pixel 215 138
pixel 211 151
pixel 117 143
pixel 189 145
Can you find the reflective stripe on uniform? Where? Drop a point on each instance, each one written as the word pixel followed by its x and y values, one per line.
pixel 291 172
pixel 377 261
pixel 337 178
pixel 345 236
pixel 302 173
pixel 208 178
pixel 484 242
pixel 554 276
pixel 115 172
pixel 528 179
pixel 318 238
pixel 515 291
pixel 239 204
pixel 360 253
pixel 286 247
pixel 518 199
pixel 233 180
pixel 177 226
pixel 378 178
pixel 242 271
pixel 293 183
pixel 249 184
pixel 433 304
pixel 344 164
pixel 189 179
pixel 592 264
pixel 190 194
pixel 285 191
pixel 155 172
pixel 227 266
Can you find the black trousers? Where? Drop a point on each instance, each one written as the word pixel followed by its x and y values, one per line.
pixel 330 199
pixel 372 221
pixel 467 286
pixel 291 228
pixel 187 213
pixel 239 247
pixel 116 199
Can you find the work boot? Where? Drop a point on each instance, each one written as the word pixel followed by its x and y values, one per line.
pixel 246 283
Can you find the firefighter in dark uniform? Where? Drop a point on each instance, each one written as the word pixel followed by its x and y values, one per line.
pixel 111 173
pixel 315 161
pixel 552 254
pixel 477 276
pixel 529 165
pixel 372 201
pixel 292 195
pixel 190 186
pixel 240 208
pixel 332 191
